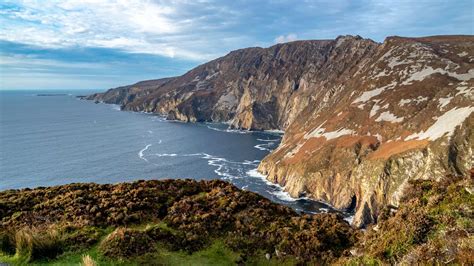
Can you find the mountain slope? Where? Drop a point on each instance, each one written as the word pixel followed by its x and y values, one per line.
pixel 361 118
pixel 251 88
pixel 406 114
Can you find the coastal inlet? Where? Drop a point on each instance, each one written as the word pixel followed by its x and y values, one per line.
pixel 60 140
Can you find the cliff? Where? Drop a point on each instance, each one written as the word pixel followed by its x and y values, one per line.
pixel 361 118
pixel 251 88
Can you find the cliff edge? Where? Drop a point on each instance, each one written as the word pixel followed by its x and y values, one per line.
pixel 361 118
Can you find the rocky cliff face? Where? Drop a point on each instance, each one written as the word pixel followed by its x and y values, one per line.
pixel 251 88
pixel 361 118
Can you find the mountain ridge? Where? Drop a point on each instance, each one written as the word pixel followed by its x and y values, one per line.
pixel 361 118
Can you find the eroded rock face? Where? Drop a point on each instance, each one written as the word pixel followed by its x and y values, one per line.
pixel 360 118
pixel 251 88
pixel 405 114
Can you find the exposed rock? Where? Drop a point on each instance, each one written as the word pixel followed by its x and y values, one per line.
pixel 432 226
pixel 361 118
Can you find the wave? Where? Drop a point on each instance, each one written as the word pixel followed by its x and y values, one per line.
pixel 280 193
pixel 140 153
pixel 156 118
pixel 116 107
pixel 283 195
pixel 263 147
pixel 349 219
pixel 165 154
pixel 228 130
pixel 267 145
pixel 275 131
pixel 324 210
pixel 254 173
pixel 269 140
pixel 225 169
pixel 254 162
pixel 230 170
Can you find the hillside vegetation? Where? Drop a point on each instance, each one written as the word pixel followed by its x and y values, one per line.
pixel 162 222
pixel 186 222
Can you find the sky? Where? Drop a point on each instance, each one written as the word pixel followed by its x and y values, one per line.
pixel 100 44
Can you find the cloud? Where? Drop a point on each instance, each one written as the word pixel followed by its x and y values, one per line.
pixel 138 26
pixel 136 39
pixel 31 67
pixel 204 29
pixel 288 38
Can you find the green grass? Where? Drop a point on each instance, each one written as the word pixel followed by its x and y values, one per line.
pixel 215 254
pixel 68 258
pixel 261 260
pixel 365 260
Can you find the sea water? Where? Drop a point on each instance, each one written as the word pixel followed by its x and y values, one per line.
pixel 51 138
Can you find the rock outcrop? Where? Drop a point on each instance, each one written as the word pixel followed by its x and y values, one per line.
pixel 361 118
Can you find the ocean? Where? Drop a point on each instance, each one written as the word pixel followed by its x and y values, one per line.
pixel 51 138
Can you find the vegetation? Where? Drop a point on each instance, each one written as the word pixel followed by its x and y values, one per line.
pixel 185 222
pixel 434 224
pixel 170 222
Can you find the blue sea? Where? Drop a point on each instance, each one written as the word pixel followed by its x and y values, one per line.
pixel 49 140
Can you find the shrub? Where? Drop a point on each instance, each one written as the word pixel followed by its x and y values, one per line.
pixel 81 237
pixel 7 242
pixel 33 244
pixel 125 243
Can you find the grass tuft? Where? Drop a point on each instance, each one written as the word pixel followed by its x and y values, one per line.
pixel 34 244
pixel 88 261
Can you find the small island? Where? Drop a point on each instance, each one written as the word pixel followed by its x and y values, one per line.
pixel 51 94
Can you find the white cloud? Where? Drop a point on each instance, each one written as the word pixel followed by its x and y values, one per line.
pixel 288 38
pixel 33 64
pixel 204 29
pixel 136 26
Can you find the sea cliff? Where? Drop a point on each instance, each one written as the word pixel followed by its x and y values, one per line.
pixel 361 118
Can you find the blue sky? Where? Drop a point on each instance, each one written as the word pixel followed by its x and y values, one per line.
pixel 99 44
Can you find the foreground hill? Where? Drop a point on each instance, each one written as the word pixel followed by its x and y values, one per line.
pixel 361 118
pixel 186 222
pixel 158 222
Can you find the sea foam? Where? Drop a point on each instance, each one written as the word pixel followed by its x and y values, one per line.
pixel 140 153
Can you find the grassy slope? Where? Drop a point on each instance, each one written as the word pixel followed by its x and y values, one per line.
pixel 215 254
pixel 171 222
pixel 434 224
